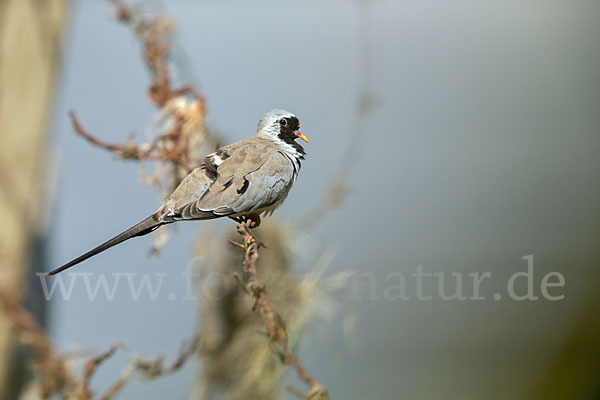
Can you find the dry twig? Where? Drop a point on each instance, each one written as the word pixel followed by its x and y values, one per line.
pixel 56 376
pixel 177 145
pixel 168 147
pixel 150 369
pixel 275 325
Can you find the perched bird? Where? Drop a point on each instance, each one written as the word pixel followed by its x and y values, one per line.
pixel 240 181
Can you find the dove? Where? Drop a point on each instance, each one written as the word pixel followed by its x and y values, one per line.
pixel 242 181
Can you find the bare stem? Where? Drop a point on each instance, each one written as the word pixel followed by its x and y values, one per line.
pixel 275 325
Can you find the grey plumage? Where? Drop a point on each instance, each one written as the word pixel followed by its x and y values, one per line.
pixel 250 177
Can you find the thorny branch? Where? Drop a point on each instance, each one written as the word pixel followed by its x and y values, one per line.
pixel 184 107
pixel 55 371
pixel 275 325
pixel 155 35
pixel 149 369
pixel 168 147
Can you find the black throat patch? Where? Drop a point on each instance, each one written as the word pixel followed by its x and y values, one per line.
pixel 287 126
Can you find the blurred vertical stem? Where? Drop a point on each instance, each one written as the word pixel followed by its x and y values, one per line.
pixel 30 38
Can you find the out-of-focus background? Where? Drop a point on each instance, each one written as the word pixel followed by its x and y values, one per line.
pixel 471 136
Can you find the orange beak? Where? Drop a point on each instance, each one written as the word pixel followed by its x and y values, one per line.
pixel 301 136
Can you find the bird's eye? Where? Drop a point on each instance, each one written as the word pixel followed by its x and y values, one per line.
pixel 282 122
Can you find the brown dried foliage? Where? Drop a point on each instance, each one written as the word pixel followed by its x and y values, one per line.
pixel 184 107
pixel 56 376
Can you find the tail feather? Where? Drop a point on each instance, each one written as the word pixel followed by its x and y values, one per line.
pixel 143 228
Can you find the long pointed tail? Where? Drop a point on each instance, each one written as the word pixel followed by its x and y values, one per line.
pixel 143 228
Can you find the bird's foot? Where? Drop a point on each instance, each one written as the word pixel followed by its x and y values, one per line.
pixel 247 224
pixel 251 220
pixel 254 220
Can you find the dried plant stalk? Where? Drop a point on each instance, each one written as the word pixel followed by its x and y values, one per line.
pixel 276 329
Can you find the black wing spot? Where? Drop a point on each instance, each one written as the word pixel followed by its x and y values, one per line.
pixel 227 184
pixel 223 155
pixel 244 187
pixel 211 168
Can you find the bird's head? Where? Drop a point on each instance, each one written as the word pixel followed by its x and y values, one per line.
pixel 280 125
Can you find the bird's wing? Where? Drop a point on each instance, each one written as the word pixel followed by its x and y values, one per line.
pixel 238 178
pixel 263 180
pixel 191 188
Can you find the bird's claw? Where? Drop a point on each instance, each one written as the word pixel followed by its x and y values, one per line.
pixel 251 220
pixel 248 223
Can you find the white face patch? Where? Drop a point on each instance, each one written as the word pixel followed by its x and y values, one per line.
pixel 269 125
pixel 217 160
pixel 269 128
